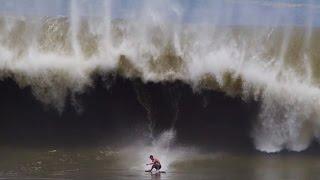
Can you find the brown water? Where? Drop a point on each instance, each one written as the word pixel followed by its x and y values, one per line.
pixel 103 163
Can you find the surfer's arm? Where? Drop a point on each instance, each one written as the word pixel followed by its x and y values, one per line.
pixel 150 164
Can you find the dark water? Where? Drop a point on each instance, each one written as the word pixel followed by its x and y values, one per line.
pixel 117 114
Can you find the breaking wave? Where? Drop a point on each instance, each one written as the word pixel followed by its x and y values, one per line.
pixel 59 57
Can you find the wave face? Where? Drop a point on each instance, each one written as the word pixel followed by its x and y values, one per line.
pixel 59 56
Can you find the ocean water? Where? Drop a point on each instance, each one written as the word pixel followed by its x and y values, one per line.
pixel 103 163
pixel 214 89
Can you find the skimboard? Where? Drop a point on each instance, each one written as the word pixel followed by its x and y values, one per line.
pixel 155 172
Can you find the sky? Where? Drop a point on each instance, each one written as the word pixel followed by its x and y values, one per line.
pixel 249 12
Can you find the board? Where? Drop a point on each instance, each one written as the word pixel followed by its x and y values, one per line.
pixel 155 172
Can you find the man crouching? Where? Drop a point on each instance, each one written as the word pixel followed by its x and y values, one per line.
pixel 155 164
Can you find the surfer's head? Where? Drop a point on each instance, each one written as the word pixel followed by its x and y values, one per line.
pixel 151 157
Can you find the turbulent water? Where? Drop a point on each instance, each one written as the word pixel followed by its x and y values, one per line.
pixel 60 56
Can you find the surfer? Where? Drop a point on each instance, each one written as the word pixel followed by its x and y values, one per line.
pixel 155 164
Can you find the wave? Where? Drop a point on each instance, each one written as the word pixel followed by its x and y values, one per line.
pixel 59 57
